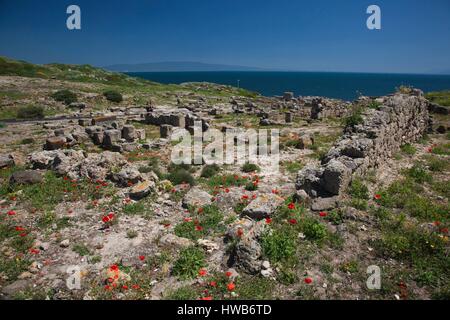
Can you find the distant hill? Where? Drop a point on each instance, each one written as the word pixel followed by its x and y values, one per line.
pixel 177 66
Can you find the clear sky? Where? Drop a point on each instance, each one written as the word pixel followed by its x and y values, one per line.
pixel 319 35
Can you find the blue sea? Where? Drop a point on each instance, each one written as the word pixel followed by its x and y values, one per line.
pixel 347 86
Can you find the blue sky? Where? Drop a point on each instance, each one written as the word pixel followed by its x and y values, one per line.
pixel 319 35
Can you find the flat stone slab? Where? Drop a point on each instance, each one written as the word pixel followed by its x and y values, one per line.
pixel 263 206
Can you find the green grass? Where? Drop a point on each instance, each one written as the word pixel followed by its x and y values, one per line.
pixel 292 166
pixel 408 149
pixel 205 221
pixel 65 96
pixel 442 98
pixel 279 245
pixel 81 249
pixel 358 189
pixel 189 262
pixel 418 174
pixel 30 112
pixel 183 293
pixel 227 180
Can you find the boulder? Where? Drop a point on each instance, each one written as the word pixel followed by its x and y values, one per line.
pixel 171 240
pixel 324 204
pixel 6 161
pixel 126 176
pixel 55 143
pixel 336 177
pixel 196 198
pixel 141 190
pixel 263 206
pixel 129 133
pixel 111 137
pixel 25 177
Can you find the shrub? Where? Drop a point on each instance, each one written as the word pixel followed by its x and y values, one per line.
pixel 210 170
pixel 189 262
pixel 181 176
pixel 418 173
pixel 278 246
pixel 65 96
pixel 30 112
pixel 313 229
pixel 250 167
pixel 437 165
pixel 358 189
pixel 113 96
pixel 251 186
pixel 354 118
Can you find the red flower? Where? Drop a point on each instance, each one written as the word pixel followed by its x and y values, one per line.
pixel 213 284
pixel 142 258
pixel 198 228
pixel 19 229
pixel 437 223
pixel 291 206
pixel 111 215
pixel 430 150
pixel 125 287
pixel 107 287
pixel 114 267
pixel 34 251
pixel 323 214
pixel 231 286
pixel 66 178
pixel 200 210
pixel 105 219
pixel 275 191
pixel 206 298
pixel 268 220
pixel 166 225
pixel 240 232
pixel 244 197
pixel 11 213
pixel 254 196
pixel 187 219
pixel 308 280
pixel 23 234
pixel 135 286
pixel 202 272
pixel 444 230
pixel 377 196
pixel 13 198
pixel 227 190
pixel 228 274
pixel 293 221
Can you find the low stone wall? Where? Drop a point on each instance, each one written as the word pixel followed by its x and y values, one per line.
pixel 400 119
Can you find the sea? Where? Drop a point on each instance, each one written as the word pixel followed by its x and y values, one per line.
pixel 346 86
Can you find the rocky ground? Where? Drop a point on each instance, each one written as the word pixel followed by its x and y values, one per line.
pixel 94 195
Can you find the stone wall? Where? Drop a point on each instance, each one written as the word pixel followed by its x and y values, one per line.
pixel 400 119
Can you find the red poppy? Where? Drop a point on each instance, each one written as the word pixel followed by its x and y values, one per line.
pixel 125 287
pixel 206 298
pixel 275 191
pixel 291 206
pixel 142 258
pixel 198 228
pixel 429 150
pixel 107 287
pixel 213 284
pixel 200 210
pixel 19 229
pixel 227 190
pixel 34 251
pixel 228 274
pixel 135 286
pixel 323 214
pixel 114 267
pixel 105 219
pixel 268 220
pixel 231 286
pixel 187 219
pixel 377 196
pixel 244 197
pixel 66 178
pixel 254 196
pixel 444 230
pixel 111 215
pixel 293 221
pixel 202 272
pixel 174 190
pixel 240 232
pixel 308 280
pixel 23 234
pixel 11 212
pixel 13 198
pixel 437 223
pixel 166 225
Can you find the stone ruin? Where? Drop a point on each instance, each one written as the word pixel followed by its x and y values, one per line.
pixel 400 119
pixel 321 108
pixel 168 119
